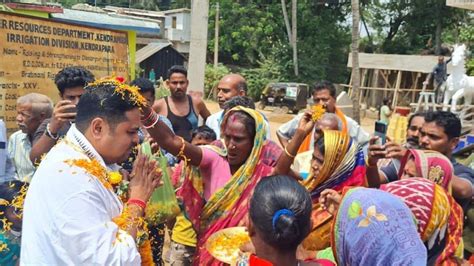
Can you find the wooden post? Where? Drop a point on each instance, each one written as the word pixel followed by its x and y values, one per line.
pixel 362 84
pixel 349 91
pixel 375 84
pixel 415 85
pixel 397 87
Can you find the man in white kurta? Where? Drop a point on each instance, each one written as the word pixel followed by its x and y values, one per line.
pixel 68 213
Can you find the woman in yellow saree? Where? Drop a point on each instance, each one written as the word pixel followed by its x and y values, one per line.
pixel 337 162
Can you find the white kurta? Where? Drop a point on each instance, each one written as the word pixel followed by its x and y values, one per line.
pixel 68 213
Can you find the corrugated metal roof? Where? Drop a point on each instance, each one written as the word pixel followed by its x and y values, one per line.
pixel 133 11
pixel 174 11
pixel 149 50
pixel 107 21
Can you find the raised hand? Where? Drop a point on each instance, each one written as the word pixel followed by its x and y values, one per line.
pixel 145 177
pixel 394 150
pixel 375 151
pixel 306 122
pixel 330 200
pixel 63 112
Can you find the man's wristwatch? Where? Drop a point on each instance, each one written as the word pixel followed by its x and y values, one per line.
pixel 49 134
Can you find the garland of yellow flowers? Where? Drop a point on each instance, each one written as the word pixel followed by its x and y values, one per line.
pixel 121 88
pixel 318 112
pixel 94 168
pixel 125 220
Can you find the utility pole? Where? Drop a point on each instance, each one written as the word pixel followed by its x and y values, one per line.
pixel 216 37
pixel 198 46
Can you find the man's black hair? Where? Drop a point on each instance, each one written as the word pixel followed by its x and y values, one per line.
pixel 144 84
pixel 71 77
pixel 239 101
pixel 177 69
pixel 325 85
pixel 447 120
pixel 417 114
pixel 204 131
pixel 102 101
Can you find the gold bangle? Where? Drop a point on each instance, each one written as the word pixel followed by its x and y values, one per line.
pixel 181 151
pixel 288 154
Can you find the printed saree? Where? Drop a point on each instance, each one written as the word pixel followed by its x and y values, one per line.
pixel 373 227
pixel 228 206
pixel 439 217
pixel 343 166
pixel 431 165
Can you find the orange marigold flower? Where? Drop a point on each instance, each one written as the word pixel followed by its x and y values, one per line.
pixel 318 112
pixel 122 89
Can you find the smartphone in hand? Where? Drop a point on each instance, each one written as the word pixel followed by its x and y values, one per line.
pixel 381 131
pixel 72 111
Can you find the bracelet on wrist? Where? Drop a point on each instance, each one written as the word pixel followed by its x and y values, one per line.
pixel 137 202
pixel 289 154
pixel 148 116
pixel 151 122
pixel 50 134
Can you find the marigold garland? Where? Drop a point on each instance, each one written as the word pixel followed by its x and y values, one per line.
pixel 94 168
pixel 146 253
pixel 318 112
pixel 114 178
pixel 125 221
pixel 122 89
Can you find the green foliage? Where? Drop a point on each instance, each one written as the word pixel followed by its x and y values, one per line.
pixel 252 34
pixel 162 90
pixel 470 67
pixel 248 30
pixel 409 27
pixel 138 71
pixel 269 70
pixel 212 76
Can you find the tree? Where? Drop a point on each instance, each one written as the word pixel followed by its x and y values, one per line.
pixel 286 19
pixel 355 60
pixel 410 27
pixel 292 30
pixel 294 40
pixel 250 45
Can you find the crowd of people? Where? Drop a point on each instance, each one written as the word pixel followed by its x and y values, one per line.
pixel 74 187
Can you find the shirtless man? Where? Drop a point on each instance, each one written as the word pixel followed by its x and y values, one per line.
pixel 180 108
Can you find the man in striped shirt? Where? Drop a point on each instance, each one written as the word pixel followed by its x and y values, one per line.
pixel 32 109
